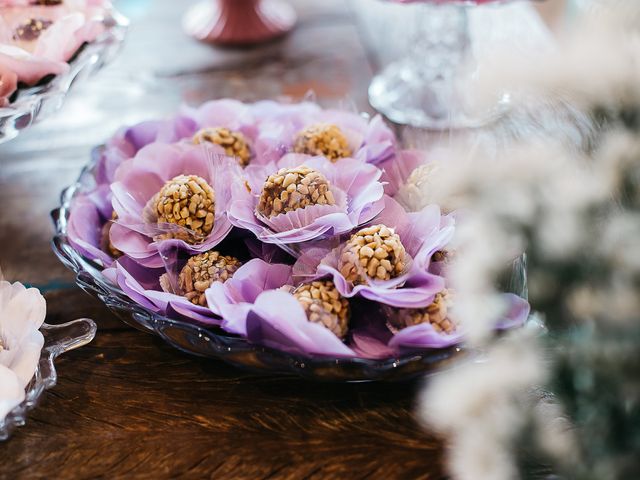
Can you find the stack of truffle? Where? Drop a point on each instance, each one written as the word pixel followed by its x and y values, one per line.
pixel 276 223
pixel 39 37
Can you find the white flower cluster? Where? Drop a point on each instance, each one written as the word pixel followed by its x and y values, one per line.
pixel 22 312
pixel 566 208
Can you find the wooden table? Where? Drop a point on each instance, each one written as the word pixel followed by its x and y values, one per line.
pixel 129 406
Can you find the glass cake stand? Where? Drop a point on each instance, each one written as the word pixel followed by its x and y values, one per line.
pixel 432 86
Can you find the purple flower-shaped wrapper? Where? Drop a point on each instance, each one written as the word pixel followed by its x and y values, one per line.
pixel 425 336
pixel 253 306
pixel 354 184
pixel 396 170
pixel 88 214
pixel 139 180
pixel 142 285
pixel 127 142
pixel 422 234
pixel 369 140
pixel 233 299
pixel 277 320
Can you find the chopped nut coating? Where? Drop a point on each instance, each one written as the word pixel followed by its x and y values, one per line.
pixel 324 305
pixel 31 29
pixel 234 143
pixel 436 314
pixel 201 271
pixel 323 139
pixel 374 252
pixel 188 201
pixel 293 188
pixel 105 243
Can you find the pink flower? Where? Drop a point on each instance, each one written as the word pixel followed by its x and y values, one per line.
pixel 38 41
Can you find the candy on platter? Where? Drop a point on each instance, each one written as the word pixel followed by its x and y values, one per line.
pixel 184 214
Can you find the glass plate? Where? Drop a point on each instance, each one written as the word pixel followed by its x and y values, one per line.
pixel 57 340
pixel 35 103
pixel 215 343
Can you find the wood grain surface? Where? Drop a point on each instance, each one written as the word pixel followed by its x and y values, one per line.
pixel 127 405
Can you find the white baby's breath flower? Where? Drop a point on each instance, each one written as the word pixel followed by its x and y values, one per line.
pixel 22 312
pixel 479 407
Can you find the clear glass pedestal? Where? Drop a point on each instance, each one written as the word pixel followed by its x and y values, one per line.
pixel 433 86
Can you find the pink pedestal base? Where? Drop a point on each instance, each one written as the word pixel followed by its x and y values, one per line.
pixel 239 22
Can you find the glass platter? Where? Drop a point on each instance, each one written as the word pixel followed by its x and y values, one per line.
pixel 38 102
pixel 217 344
pixel 58 339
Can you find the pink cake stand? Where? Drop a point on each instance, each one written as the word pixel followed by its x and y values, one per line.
pixel 239 22
pixel 432 86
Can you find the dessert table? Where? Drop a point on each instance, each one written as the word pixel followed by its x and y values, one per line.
pixel 128 405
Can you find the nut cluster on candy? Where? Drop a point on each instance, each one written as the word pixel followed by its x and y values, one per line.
pixel 105 243
pixel 374 252
pixel 188 201
pixel 31 29
pixel 436 314
pixel 234 143
pixel 324 305
pixel 290 189
pixel 444 255
pixel 323 139
pixel 201 271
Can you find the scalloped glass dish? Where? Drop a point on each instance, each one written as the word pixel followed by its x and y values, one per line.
pixel 36 103
pixel 58 339
pixel 214 343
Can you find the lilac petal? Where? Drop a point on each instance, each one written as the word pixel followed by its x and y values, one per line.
pixel 423 336
pixel 517 313
pixel 134 289
pixel 142 134
pixel 142 285
pixel 357 180
pixel 183 308
pixel 140 179
pixel 371 339
pixel 396 170
pixel 277 320
pixel 84 230
pixel 229 113
pixel 379 143
pixel 233 299
pixel 416 293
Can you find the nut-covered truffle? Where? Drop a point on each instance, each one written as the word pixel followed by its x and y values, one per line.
pixel 437 314
pixel 323 139
pixel 31 29
pixel 201 271
pixel 234 143
pixel 188 201
pixel 444 255
pixel 293 188
pixel 374 252
pixel 105 243
pixel 324 305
